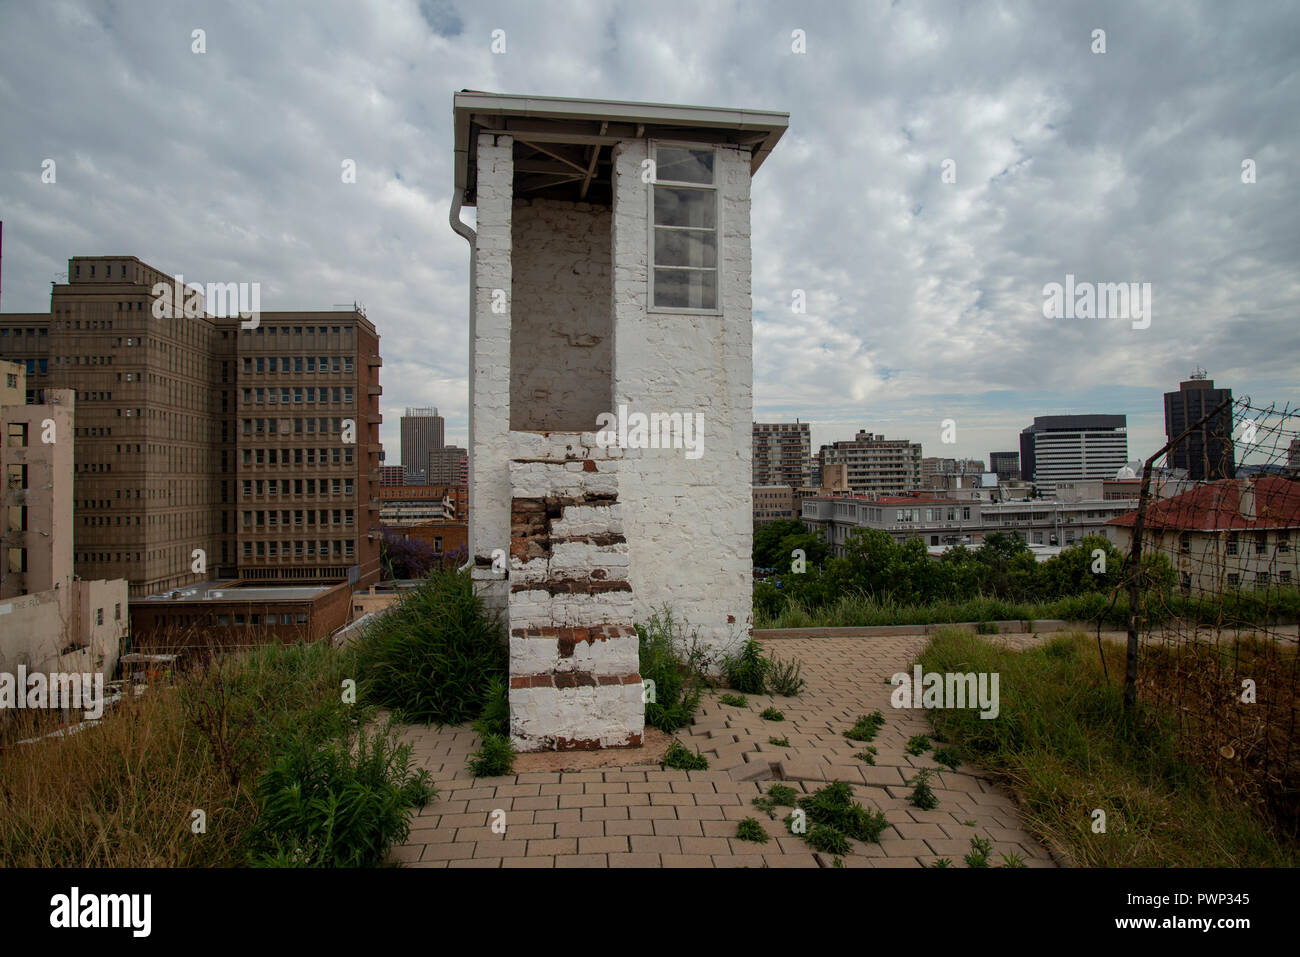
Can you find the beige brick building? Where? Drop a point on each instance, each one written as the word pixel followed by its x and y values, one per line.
pixel 50 621
pixel 206 445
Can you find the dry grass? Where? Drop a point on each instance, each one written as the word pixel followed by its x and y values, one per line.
pixel 122 793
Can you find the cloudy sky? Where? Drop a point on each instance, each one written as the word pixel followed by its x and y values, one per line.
pixel 924 295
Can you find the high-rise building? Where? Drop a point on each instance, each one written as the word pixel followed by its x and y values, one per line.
pixel 1207 454
pixel 449 465
pixel 1072 448
pixel 876 464
pixel 781 452
pixel 203 448
pixel 422 432
pixel 1005 464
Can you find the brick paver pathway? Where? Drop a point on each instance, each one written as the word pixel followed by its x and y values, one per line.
pixel 644 816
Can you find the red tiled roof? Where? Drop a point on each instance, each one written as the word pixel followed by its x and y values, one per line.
pixel 1217 506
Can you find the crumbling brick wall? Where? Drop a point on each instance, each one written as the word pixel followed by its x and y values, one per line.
pixel 574 663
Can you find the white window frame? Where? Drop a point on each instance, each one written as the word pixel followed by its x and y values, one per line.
pixel 650 225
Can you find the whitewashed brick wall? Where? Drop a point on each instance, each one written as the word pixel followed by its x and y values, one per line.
pixel 689 523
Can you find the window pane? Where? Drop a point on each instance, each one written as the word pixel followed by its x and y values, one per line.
pixel 679 247
pixel 684 207
pixel 674 164
pixel 686 288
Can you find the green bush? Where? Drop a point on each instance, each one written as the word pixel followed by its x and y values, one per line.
pixel 786 677
pixel 866 727
pixel 336 804
pixel 667 660
pixel 680 759
pixel 833 806
pixel 749 829
pixel 495 718
pixel 747 671
pixel 734 700
pixel 433 657
pixel 494 757
pixel 771 714
pixel 922 795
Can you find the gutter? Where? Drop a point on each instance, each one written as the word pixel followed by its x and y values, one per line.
pixel 471 237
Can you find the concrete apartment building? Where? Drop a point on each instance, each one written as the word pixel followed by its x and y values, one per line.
pixel 1065 448
pixel 781 451
pixel 941 521
pixel 617 236
pixel 50 621
pixel 448 465
pixel 877 465
pixel 422 431
pixel 197 438
pixel 1208 453
pixel 1228 534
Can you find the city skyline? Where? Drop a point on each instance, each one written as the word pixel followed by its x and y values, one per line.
pixel 924 303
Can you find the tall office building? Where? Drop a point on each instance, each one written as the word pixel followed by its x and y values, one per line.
pixel 1005 464
pixel 422 432
pixel 781 453
pixel 204 449
pixel 876 464
pixel 1072 448
pixel 1207 453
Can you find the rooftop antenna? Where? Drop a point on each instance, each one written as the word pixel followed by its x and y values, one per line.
pixel 1199 373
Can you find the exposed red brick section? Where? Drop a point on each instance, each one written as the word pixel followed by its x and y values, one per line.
pixel 532 681
pixel 589 466
pixel 573 586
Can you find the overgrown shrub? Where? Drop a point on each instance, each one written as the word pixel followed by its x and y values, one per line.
pixel 337 803
pixel 434 656
pixel 747 670
pixel 671 661
pixel 681 759
pixel 786 677
pixel 494 757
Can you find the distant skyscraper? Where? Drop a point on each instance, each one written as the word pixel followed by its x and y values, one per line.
pixel 1208 453
pixel 422 432
pixel 1073 448
pixel 1005 464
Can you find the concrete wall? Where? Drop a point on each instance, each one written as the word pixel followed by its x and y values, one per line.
pixel 701 568
pixel 561 330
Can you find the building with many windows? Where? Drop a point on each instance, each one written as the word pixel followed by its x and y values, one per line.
pixel 781 451
pixel 1072 448
pixel 876 464
pixel 1208 453
pixel 207 445
pixel 941 521
pixel 422 432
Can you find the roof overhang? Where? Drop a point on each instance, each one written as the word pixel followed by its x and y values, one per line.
pixel 547 120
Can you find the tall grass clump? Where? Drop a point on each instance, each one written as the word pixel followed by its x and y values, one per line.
pixel 122 793
pixel 1065 743
pixel 672 661
pixel 433 657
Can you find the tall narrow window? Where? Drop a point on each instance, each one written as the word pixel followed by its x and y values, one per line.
pixel 685 230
